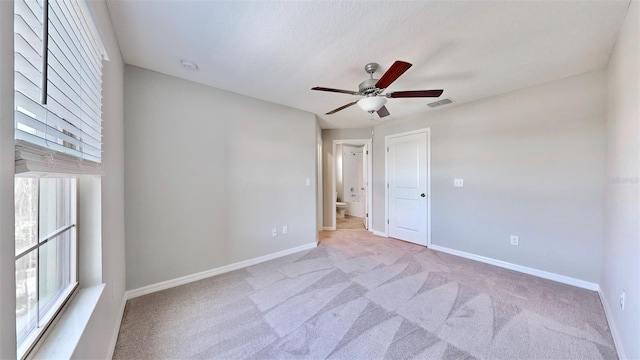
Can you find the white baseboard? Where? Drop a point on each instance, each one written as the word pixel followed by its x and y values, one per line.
pixel 379 233
pixel 608 312
pixel 116 331
pixel 328 228
pixel 213 272
pixel 523 269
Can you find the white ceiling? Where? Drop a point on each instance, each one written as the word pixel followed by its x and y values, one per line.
pixel 277 51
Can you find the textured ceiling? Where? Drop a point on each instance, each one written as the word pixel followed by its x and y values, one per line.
pixel 277 51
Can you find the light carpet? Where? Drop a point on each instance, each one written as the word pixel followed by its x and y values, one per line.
pixel 359 296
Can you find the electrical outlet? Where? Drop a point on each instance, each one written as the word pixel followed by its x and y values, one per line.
pixel 622 296
pixel 458 182
pixel 285 230
pixel 514 240
pixel 274 232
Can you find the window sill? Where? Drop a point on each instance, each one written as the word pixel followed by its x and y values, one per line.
pixel 64 335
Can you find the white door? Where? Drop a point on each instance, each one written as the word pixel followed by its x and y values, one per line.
pixel 365 185
pixel 408 190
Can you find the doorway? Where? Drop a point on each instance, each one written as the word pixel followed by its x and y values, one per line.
pixel 351 184
pixel 408 190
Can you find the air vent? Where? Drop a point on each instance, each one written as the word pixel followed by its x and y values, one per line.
pixel 441 102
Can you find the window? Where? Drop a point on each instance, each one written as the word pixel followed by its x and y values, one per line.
pixel 58 130
pixel 46 274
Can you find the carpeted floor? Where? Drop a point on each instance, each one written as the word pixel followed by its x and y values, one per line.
pixel 359 296
pixel 349 223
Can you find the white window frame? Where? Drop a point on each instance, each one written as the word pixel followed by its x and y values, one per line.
pixel 45 320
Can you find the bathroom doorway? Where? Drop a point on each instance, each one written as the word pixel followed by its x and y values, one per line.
pixel 351 184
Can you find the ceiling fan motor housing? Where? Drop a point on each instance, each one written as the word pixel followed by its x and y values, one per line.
pixel 368 87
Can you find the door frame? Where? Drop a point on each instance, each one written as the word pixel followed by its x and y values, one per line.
pixel 386 178
pixel 369 209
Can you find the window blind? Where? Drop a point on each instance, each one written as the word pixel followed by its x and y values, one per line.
pixel 58 82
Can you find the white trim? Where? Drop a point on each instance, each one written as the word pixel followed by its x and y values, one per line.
pixel 386 179
pixel 328 228
pixel 386 187
pixel 62 337
pixel 130 294
pixel 379 233
pixel 369 209
pixel 116 331
pixel 429 186
pixel 519 268
pixel 608 313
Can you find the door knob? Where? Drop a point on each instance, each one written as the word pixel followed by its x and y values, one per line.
pixel 422 195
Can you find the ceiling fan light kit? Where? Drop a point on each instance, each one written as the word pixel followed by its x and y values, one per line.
pixel 372 104
pixel 372 90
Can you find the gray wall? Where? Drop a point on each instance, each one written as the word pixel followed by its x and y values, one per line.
pixel 7 235
pixel 532 162
pixel 328 135
pixel 621 270
pixel 208 173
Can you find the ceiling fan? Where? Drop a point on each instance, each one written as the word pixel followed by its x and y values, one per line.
pixel 372 90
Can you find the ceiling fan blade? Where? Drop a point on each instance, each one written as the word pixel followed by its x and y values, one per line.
pixel 398 68
pixel 383 112
pixel 341 108
pixel 318 88
pixel 415 93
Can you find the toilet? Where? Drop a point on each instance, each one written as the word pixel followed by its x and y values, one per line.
pixel 340 209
